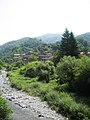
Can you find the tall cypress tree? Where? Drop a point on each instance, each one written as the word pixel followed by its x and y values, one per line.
pixel 68 44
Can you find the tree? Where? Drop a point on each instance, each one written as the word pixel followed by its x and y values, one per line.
pixel 56 57
pixel 68 44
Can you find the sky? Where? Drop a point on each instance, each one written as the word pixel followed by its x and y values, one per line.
pixel 32 18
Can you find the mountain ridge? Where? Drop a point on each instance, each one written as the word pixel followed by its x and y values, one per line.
pixel 50 37
pixel 26 44
pixel 85 36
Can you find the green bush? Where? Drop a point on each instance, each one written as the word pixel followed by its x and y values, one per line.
pixel 52 98
pixel 44 75
pixel 31 72
pixel 75 72
pixel 82 80
pixel 72 110
pixel 14 66
pixel 66 69
pixel 43 70
pixel 32 58
pixel 63 103
pixel 34 89
pixel 4 110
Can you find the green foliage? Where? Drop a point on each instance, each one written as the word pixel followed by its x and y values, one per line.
pixel 55 46
pixel 66 69
pixel 63 103
pixel 1 64
pixel 52 98
pixel 31 72
pixel 55 95
pixel 85 36
pixel 68 44
pixel 15 65
pixel 75 72
pixel 82 82
pixel 19 47
pixel 56 57
pixel 4 110
pixel 32 58
pixel 44 75
pixel 71 109
pixel 83 45
pixel 44 71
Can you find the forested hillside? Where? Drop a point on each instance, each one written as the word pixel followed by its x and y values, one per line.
pixel 19 47
pixel 85 36
pixel 39 44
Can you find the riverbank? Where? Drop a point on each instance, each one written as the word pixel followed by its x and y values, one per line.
pixel 25 106
pixel 69 104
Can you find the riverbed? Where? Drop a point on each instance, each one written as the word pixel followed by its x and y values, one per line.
pixel 24 106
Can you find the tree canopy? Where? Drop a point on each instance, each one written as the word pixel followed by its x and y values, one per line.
pixel 68 44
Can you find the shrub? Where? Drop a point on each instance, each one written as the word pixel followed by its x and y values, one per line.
pixel 52 98
pixel 15 65
pixel 44 76
pixel 4 110
pixel 32 58
pixel 31 72
pixel 44 71
pixel 43 94
pixel 82 82
pixel 33 89
pixel 75 72
pixel 66 69
pixel 69 108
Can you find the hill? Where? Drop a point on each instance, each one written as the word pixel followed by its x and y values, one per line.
pixel 40 43
pixel 50 38
pixel 85 36
pixel 19 46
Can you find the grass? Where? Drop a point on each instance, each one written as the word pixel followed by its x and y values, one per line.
pixel 68 104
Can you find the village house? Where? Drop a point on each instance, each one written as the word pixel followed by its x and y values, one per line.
pixel 45 56
pixel 17 57
pixel 85 53
pixel 25 56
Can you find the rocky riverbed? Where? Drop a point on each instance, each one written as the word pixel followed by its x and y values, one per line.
pixel 26 107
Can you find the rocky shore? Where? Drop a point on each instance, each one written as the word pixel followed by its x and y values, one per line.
pixel 27 104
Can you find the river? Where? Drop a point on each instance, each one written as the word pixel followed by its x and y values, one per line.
pixel 24 106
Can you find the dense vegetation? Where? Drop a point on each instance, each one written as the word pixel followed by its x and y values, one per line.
pixel 62 89
pixel 85 36
pixel 75 73
pixel 64 82
pixel 37 45
pixel 21 46
pixel 4 110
